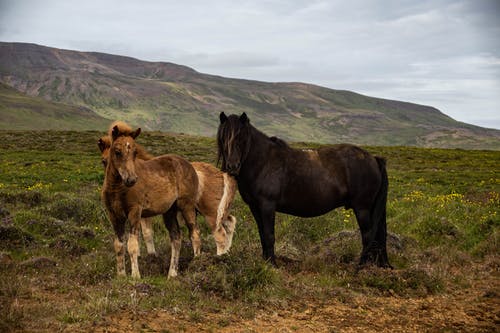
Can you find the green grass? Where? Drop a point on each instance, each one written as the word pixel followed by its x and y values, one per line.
pixel 443 218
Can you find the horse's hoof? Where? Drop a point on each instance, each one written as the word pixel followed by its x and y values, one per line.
pixel 272 261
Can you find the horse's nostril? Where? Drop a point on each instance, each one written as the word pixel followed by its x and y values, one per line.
pixel 130 181
pixel 234 166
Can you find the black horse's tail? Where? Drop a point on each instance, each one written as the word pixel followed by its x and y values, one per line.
pixel 379 216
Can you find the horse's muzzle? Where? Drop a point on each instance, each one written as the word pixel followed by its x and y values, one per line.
pixel 233 169
pixel 129 182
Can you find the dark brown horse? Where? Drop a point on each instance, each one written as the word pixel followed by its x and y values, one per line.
pixel 135 189
pixel 273 177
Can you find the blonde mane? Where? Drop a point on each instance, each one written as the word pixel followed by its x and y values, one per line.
pixel 106 141
pixel 123 128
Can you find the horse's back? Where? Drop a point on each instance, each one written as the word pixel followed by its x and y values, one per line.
pixel 169 162
pixel 345 156
pixel 174 168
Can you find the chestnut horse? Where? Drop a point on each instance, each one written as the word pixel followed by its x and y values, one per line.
pixel 104 144
pixel 273 177
pixel 216 192
pixel 135 189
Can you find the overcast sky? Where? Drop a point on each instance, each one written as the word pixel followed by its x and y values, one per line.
pixel 438 52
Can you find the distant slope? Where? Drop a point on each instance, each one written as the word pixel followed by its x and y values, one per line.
pixel 169 97
pixel 21 112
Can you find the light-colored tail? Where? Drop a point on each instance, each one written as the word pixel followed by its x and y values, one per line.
pixel 230 226
pixel 226 200
pixel 225 223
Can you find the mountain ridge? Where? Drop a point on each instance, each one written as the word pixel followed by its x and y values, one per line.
pixel 176 98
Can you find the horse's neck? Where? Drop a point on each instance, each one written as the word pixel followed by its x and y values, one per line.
pixel 112 178
pixel 260 146
pixel 142 153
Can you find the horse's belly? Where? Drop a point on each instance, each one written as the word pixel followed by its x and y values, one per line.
pixel 311 202
pixel 158 202
pixel 308 210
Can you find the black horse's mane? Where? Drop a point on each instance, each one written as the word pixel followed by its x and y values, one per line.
pixel 233 128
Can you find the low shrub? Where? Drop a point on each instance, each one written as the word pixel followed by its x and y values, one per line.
pixel 232 276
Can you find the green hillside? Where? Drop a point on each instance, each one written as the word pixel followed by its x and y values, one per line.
pixel 21 112
pixel 169 97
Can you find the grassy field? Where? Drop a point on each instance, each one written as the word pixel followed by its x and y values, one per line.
pixel 57 265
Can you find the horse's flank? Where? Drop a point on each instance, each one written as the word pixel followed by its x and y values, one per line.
pixel 215 187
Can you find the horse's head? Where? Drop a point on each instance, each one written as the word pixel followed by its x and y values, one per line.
pixel 122 155
pixel 233 142
pixel 104 144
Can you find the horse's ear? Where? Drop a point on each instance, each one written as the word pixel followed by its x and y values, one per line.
pixel 136 133
pixel 244 118
pixel 101 145
pixel 222 117
pixel 115 132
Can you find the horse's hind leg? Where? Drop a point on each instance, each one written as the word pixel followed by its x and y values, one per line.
pixel 367 233
pixel 147 234
pixel 218 232
pixel 170 220
pixel 223 234
pixel 373 240
pixel 229 225
pixel 189 215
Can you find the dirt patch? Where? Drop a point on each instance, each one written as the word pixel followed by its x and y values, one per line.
pixel 472 309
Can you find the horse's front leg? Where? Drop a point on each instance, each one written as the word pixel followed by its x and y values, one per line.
pixel 264 214
pixel 119 228
pixel 134 218
pixel 147 234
